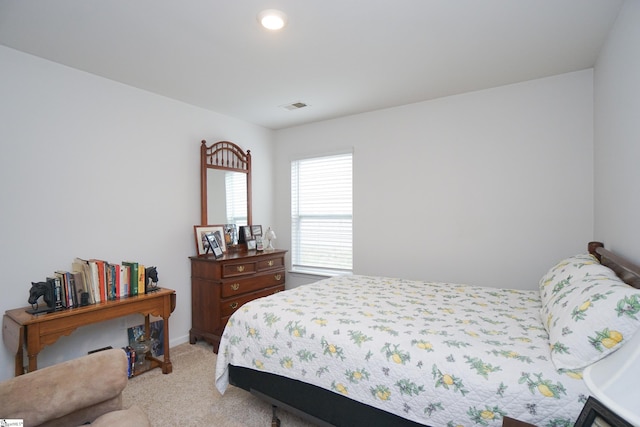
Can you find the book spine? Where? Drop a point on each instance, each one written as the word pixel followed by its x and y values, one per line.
pixel 64 294
pixel 124 281
pixel 102 279
pixel 71 288
pixel 54 283
pixel 131 360
pixel 133 277
pixel 109 272
pixel 95 281
pixel 116 281
pixel 142 289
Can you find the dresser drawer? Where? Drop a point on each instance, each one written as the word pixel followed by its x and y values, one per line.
pixel 271 263
pixel 239 269
pixel 250 284
pixel 228 306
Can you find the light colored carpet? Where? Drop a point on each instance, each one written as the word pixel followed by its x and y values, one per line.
pixel 188 397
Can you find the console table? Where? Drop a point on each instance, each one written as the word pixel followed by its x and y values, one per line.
pixel 35 331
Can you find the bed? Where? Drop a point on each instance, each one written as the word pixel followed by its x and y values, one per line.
pixel 360 350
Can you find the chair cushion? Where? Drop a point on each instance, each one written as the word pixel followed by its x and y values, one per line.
pixel 132 417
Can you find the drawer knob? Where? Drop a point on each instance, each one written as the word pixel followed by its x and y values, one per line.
pixel 278 276
pixel 233 305
pixel 270 263
pixel 235 286
pixel 240 268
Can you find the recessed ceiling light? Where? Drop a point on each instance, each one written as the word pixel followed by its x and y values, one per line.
pixel 272 19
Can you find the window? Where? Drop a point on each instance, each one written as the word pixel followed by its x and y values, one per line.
pixel 322 214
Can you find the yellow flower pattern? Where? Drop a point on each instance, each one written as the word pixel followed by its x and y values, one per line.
pixel 434 353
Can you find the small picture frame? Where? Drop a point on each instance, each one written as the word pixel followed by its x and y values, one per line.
pixel 595 414
pixel 245 234
pixel 230 234
pixel 202 244
pixel 214 244
pixel 259 243
pixel 256 230
pixel 251 245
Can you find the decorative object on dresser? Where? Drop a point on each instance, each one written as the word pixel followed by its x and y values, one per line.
pixel 220 286
pixel 270 235
pixel 230 235
pixel 256 230
pixel 202 243
pixel 214 244
pixel 245 234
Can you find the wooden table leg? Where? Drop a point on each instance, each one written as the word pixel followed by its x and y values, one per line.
pixel 32 338
pixel 13 337
pixel 167 368
pixel 19 362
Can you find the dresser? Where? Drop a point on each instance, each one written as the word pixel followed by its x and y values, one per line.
pixel 220 286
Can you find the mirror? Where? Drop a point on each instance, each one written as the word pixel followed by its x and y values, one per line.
pixel 226 197
pixel 225 180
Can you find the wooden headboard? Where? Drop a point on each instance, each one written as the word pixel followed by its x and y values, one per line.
pixel 625 269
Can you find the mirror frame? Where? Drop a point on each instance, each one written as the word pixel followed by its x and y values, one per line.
pixel 227 156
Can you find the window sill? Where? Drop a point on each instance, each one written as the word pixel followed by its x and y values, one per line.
pixel 309 272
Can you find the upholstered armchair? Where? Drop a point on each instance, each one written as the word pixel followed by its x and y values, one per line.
pixel 76 392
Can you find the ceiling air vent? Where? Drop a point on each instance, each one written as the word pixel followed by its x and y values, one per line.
pixel 294 106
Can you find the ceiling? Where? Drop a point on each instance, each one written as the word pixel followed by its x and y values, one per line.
pixel 340 57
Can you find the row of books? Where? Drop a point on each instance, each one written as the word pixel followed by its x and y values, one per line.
pixel 93 281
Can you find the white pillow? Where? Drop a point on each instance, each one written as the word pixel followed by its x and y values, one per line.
pixel 590 318
pixel 569 270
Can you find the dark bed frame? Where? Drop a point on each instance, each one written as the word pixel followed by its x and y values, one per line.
pixel 326 408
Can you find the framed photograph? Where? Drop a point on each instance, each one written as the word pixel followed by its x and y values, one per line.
pixel 202 244
pixel 245 234
pixel 256 230
pixel 251 245
pixel 595 414
pixel 214 245
pixel 230 234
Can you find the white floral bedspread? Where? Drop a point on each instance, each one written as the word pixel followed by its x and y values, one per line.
pixel 435 353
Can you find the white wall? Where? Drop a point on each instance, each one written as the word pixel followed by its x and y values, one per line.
pixel 617 136
pixel 488 188
pixel 96 169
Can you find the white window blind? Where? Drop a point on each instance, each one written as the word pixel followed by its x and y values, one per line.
pixel 322 214
pixel 235 184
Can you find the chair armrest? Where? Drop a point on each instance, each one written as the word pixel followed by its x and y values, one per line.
pixel 62 389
